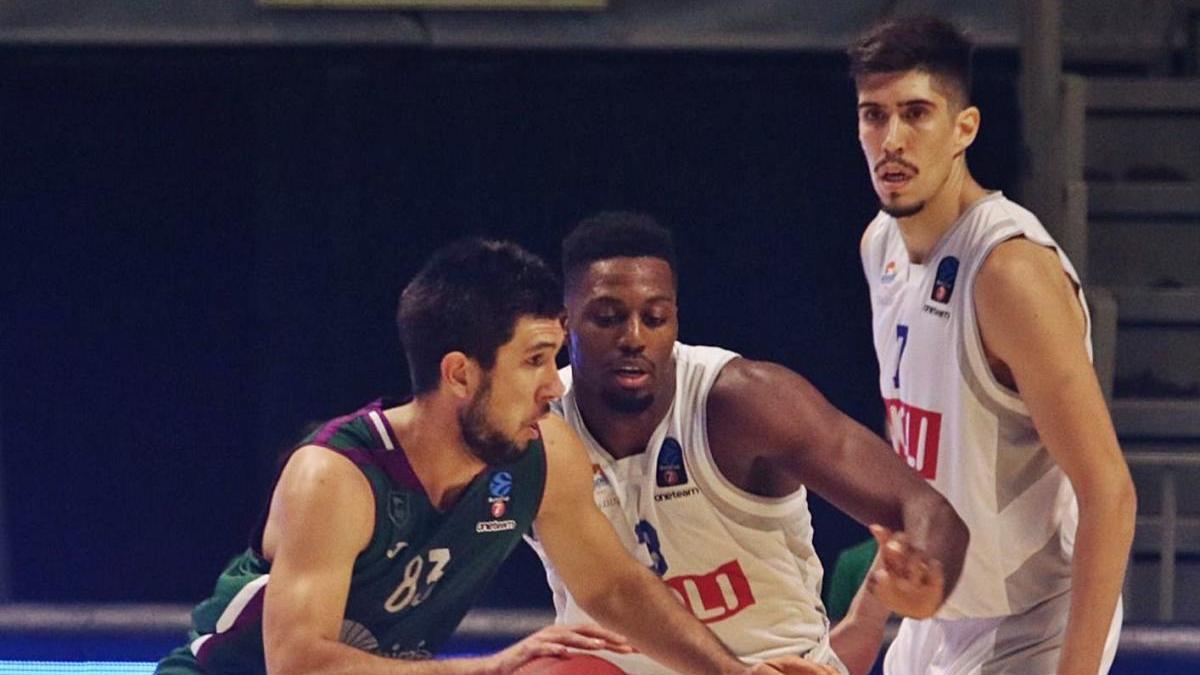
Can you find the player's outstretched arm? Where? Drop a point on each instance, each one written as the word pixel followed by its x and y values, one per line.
pixel 321 518
pixel 1030 319
pixel 766 409
pixel 604 579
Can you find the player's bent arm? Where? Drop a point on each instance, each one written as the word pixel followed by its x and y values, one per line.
pixel 605 580
pixel 320 519
pixel 801 434
pixel 1030 319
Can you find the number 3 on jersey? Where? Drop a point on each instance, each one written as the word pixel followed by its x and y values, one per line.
pixel 647 535
pixel 902 336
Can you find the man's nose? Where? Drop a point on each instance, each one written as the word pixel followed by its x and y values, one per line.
pixel 893 140
pixel 633 338
pixel 554 386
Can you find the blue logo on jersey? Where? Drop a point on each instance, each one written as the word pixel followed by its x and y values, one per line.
pixel 670 464
pixel 943 284
pixel 501 484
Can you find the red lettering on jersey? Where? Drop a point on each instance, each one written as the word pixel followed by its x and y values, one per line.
pixel 916 435
pixel 715 596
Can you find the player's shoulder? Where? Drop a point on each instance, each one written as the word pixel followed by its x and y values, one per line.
pixel 874 229
pixel 315 473
pixel 744 383
pixel 318 480
pixel 1017 266
pixel 687 355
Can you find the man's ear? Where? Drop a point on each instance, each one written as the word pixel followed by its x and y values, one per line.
pixel 966 125
pixel 459 374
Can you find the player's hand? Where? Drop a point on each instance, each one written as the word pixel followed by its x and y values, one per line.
pixel 796 665
pixel 556 641
pixel 903 577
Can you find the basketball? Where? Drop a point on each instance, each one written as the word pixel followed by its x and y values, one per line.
pixel 573 664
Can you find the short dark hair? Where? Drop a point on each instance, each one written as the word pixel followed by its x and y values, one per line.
pixel 468 298
pixel 916 43
pixel 616 234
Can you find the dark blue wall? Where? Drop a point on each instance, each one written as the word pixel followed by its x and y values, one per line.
pixel 202 250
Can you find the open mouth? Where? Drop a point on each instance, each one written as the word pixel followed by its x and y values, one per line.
pixel 894 179
pixel 631 376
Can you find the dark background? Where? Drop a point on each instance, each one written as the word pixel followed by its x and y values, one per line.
pixel 201 250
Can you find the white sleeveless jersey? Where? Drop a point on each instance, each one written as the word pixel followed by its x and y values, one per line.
pixel 743 564
pixel 965 432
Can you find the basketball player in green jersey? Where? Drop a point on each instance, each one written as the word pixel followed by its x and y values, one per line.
pixel 384 525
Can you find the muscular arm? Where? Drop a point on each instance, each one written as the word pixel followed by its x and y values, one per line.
pixel 321 518
pixel 604 579
pixel 1030 319
pixel 766 409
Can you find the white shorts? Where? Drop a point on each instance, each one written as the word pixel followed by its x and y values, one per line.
pixel 1022 644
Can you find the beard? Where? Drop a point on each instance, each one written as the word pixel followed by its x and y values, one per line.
pixel 901 211
pixel 482 437
pixel 626 403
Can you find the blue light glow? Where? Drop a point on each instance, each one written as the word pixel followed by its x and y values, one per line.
pixel 76 667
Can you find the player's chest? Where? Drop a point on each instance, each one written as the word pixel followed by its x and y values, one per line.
pixel 918 317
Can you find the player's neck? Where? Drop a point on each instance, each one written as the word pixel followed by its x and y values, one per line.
pixel 624 434
pixel 429 432
pixel 922 231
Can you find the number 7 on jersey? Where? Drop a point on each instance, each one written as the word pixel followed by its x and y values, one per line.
pixel 902 336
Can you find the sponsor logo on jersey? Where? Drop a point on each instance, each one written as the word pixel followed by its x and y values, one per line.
pixel 498 509
pixel 939 313
pixel 398 508
pixel 916 434
pixel 714 596
pixel 676 494
pixel 943 282
pixel 889 272
pixel 358 636
pixel 602 490
pixel 671 471
pixel 484 526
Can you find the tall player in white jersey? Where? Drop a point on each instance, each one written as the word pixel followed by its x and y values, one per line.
pixel 702 459
pixel 982 336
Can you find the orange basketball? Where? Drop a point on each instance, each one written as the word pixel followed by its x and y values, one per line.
pixel 574 664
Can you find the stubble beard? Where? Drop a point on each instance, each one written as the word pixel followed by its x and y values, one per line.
pixel 625 403
pixel 481 436
pixel 901 211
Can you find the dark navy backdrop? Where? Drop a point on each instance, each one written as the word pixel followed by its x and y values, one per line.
pixel 202 250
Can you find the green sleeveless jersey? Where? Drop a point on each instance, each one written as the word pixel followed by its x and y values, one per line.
pixel 414 582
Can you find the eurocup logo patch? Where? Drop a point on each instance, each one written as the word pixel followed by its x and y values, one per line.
pixel 499 490
pixel 671 471
pixel 943 284
pixel 501 484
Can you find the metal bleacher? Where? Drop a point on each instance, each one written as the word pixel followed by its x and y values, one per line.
pixel 1128 195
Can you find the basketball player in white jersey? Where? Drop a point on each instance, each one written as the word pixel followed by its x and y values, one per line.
pixel 702 459
pixel 982 336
